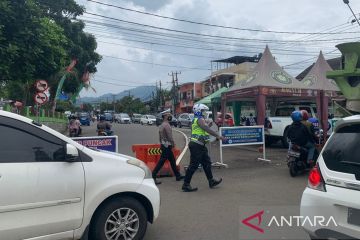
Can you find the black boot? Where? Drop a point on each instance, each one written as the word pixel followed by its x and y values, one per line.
pixel 179 177
pixel 214 182
pixel 187 188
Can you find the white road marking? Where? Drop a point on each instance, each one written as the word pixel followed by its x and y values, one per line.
pixel 178 160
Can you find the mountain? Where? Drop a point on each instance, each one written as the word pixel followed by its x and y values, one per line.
pixel 145 93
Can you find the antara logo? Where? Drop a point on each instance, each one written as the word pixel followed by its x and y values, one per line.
pixel 289 221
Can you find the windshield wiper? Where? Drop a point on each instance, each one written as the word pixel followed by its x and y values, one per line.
pixel 350 163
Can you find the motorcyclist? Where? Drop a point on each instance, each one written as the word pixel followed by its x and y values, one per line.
pixel 308 124
pixel 299 134
pixel 73 126
pixel 103 126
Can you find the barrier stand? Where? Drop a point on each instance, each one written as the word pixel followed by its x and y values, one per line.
pixel 241 136
pixel 150 155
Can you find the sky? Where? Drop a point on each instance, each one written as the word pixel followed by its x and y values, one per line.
pixel 142 49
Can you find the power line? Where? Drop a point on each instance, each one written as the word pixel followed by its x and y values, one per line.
pixel 212 25
pixel 157 64
pixel 209 35
pixel 196 40
pixel 117 84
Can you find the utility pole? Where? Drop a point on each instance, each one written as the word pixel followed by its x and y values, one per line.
pixel 347 3
pixel 160 96
pixel 114 103
pixel 175 83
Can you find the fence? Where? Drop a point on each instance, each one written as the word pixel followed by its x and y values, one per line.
pixel 45 116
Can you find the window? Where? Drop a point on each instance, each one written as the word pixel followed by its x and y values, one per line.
pixel 342 152
pixel 284 112
pixel 22 146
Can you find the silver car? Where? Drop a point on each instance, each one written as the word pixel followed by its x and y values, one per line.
pixel 185 119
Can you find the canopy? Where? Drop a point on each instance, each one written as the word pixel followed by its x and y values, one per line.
pixel 316 78
pixel 217 94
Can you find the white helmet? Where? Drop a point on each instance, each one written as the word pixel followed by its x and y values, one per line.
pixel 198 108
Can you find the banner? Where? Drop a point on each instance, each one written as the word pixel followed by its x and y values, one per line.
pixel 239 136
pixel 243 135
pixel 106 143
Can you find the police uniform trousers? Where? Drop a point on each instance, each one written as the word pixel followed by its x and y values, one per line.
pixel 166 154
pixel 198 155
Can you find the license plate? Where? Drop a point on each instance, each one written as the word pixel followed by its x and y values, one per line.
pixel 293 154
pixel 354 216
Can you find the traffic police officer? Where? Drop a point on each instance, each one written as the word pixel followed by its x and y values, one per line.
pixel 167 143
pixel 200 132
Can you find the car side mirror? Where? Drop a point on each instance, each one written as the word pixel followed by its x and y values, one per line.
pixel 72 153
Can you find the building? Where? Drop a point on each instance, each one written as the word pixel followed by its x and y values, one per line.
pixel 188 94
pixel 228 72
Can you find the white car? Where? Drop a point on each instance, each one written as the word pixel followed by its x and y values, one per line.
pixel 148 119
pixel 54 188
pixel 334 185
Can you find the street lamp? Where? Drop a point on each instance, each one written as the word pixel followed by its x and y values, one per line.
pixel 347 3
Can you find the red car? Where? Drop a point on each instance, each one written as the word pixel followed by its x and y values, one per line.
pixel 229 121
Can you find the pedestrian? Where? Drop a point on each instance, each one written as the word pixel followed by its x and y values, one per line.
pixel 251 121
pixel 200 135
pixel 167 144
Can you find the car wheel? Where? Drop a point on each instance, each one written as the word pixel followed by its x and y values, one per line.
pixel 180 126
pixel 142 123
pixel 122 218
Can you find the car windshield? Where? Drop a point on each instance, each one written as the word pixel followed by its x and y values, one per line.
pixel 124 115
pixel 151 116
pixel 342 151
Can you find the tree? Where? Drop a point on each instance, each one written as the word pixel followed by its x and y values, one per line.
pixel 38 39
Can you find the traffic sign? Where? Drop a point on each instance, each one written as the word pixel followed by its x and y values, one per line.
pixel 40 98
pixel 41 85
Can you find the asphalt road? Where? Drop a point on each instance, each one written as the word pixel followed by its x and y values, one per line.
pixel 248 186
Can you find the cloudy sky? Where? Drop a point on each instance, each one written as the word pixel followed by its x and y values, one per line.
pixel 142 49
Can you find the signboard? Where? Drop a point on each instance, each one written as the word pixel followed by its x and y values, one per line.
pixel 239 136
pixel 41 85
pixel 242 135
pixel 40 98
pixel 106 143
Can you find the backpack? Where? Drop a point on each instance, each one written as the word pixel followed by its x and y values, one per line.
pixel 298 133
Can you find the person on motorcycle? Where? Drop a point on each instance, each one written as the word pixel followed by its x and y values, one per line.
pixel 73 127
pixel 308 124
pixel 103 126
pixel 299 134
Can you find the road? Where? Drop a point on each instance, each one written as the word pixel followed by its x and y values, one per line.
pixel 248 186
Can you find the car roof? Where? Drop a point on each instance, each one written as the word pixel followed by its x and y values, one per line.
pixel 347 121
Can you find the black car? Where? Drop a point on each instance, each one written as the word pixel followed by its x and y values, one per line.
pixel 159 120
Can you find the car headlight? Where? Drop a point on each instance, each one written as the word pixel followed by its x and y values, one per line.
pixel 141 165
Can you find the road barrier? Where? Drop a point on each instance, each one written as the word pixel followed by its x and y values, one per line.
pixel 150 155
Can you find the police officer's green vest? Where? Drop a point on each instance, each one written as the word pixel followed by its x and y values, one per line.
pixel 197 133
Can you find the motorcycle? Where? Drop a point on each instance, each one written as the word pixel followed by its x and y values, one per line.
pixel 297 156
pixel 102 132
pixel 74 132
